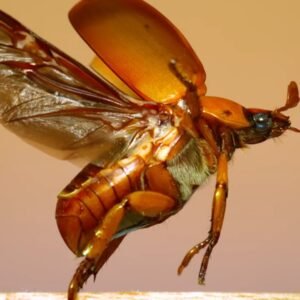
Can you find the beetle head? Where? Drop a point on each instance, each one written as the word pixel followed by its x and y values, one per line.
pixel 270 124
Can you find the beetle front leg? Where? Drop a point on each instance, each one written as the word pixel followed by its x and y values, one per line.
pixel 102 245
pixel 218 212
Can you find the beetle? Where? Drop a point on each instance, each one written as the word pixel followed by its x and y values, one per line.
pixel 152 136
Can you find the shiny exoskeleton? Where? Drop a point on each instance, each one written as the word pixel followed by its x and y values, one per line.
pixel 150 135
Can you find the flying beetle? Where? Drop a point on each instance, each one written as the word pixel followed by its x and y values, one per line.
pixel 146 126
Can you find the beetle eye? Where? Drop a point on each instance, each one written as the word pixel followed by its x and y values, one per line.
pixel 263 121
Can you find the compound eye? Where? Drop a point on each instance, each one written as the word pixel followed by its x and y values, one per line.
pixel 263 122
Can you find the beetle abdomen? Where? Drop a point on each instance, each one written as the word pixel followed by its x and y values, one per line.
pixel 86 200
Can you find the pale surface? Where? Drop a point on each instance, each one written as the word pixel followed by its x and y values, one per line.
pixel 251 51
pixel 152 296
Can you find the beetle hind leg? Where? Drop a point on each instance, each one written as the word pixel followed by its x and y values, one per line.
pixel 99 248
pixel 218 212
pixel 89 267
pixel 102 245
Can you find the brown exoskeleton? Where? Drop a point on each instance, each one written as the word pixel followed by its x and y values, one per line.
pixel 151 135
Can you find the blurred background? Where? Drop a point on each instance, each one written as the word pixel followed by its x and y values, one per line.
pixel 251 51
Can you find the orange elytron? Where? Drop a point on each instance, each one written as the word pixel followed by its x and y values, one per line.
pixel 144 124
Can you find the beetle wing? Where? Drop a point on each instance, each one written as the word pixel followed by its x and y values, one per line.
pixel 102 69
pixel 138 44
pixel 55 103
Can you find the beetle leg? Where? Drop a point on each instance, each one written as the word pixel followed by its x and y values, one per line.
pixel 192 93
pixel 218 212
pixel 96 247
pixel 208 135
pixel 101 245
pixel 184 79
pixel 89 267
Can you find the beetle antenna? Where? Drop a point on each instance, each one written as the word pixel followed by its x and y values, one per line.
pixel 292 97
pixel 294 129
